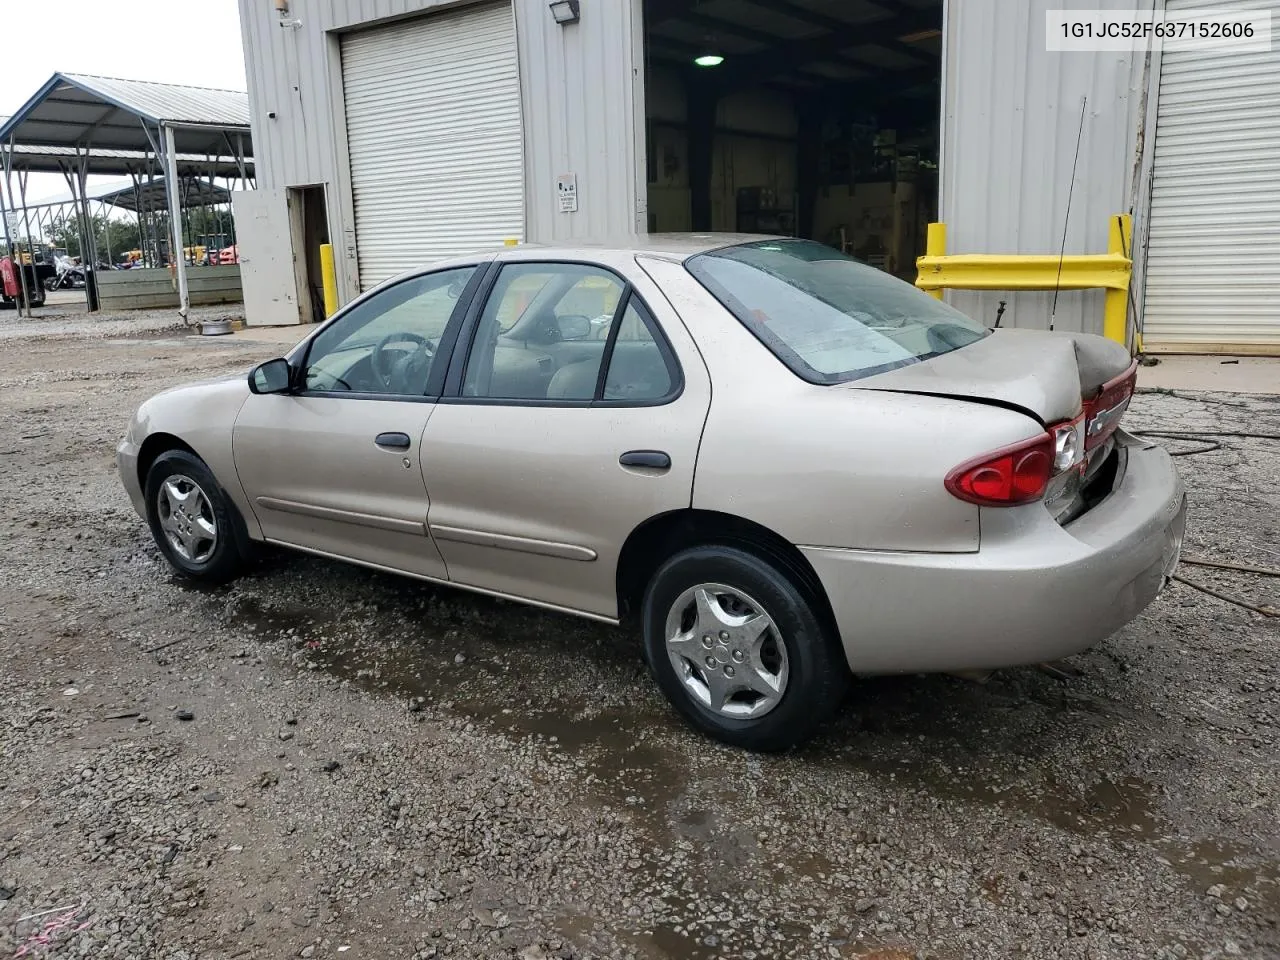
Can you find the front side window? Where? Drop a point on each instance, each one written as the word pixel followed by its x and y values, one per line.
pixel 830 318
pixel 387 345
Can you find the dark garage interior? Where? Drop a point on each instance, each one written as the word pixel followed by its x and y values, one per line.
pixel 809 118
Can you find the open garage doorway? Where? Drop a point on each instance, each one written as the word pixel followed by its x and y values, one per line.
pixel 808 118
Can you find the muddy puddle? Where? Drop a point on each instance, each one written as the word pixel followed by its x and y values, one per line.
pixel 532 675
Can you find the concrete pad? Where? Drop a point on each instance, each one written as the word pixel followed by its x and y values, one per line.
pixel 1218 374
pixel 286 335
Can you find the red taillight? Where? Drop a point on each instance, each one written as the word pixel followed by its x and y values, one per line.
pixel 1102 414
pixel 1012 475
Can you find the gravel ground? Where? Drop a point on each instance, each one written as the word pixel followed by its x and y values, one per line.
pixel 321 761
pixel 69 320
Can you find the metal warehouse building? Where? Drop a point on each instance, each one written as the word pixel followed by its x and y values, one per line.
pixel 403 131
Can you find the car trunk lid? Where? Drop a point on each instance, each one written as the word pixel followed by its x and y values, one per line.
pixel 1046 375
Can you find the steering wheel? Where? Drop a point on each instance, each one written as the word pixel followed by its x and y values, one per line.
pixel 405 368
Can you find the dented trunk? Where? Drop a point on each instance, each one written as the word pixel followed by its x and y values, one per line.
pixel 1046 375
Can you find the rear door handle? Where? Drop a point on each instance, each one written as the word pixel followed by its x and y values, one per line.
pixel 651 459
pixel 392 441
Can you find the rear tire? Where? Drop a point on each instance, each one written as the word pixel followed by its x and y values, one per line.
pixel 742 652
pixel 192 519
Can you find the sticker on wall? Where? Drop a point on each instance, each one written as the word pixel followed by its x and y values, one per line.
pixel 567 191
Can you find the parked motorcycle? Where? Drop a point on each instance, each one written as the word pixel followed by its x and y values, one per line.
pixel 69 276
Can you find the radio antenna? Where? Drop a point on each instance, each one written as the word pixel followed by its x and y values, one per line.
pixel 1066 221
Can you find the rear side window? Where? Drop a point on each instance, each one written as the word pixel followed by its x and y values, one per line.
pixel 638 370
pixel 830 318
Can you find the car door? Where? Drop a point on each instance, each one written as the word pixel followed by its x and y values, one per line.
pixel 334 465
pixel 560 433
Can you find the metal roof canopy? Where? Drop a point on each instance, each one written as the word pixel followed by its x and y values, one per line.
pixel 45 159
pixel 85 113
pixel 152 196
pixel 76 110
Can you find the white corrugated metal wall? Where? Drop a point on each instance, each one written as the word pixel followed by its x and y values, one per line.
pixel 434 137
pixel 1010 121
pixel 579 87
pixel 1213 240
pixel 583 96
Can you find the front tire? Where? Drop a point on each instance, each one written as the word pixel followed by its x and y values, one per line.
pixel 740 650
pixel 192 519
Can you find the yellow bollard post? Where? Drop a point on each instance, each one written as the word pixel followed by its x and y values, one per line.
pixel 935 245
pixel 1115 311
pixel 329 277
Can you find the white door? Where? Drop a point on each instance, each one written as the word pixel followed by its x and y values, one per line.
pixel 435 138
pixel 1213 244
pixel 266 258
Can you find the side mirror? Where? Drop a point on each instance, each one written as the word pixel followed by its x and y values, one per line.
pixel 274 376
pixel 574 328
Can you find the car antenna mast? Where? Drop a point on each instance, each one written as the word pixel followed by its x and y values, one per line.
pixel 1066 220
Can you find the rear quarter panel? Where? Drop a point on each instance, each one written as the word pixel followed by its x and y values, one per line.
pixel 826 466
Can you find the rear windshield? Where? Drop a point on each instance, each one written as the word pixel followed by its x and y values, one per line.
pixel 830 318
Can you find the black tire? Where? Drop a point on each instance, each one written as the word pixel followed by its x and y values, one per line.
pixel 222 560
pixel 817 674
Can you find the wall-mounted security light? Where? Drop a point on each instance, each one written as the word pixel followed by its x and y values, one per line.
pixel 282 15
pixel 565 11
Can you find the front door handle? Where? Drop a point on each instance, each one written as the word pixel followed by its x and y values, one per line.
pixel 392 441
pixel 649 459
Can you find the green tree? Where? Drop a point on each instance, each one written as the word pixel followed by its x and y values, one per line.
pixel 123 236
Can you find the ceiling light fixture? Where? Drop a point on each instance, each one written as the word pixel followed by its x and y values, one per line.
pixel 710 56
pixel 565 11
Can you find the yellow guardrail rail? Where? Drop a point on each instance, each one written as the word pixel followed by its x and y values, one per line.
pixel 1110 271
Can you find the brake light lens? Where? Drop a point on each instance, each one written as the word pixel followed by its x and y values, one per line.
pixel 1022 473
pixel 1102 414
pixel 1012 475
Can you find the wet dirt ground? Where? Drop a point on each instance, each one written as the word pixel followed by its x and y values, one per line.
pixel 377 768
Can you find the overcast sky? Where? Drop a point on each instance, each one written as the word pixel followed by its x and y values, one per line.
pixel 196 42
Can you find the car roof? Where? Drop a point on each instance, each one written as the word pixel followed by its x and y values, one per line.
pixel 668 246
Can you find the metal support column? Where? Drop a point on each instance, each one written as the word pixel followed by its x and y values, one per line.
pixel 808 165
pixel 14 253
pixel 31 250
pixel 77 180
pixel 171 187
pixel 702 102
pixel 177 256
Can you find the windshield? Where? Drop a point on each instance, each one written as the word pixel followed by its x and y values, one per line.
pixel 830 318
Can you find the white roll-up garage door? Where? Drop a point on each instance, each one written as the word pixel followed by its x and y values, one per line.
pixel 1213 246
pixel 434 133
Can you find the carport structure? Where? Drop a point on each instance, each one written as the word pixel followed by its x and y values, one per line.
pixel 144 199
pixel 75 123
